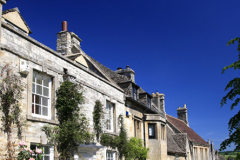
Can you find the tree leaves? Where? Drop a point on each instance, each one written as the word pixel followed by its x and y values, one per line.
pixel 234 86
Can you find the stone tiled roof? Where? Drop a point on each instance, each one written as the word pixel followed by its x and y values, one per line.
pixel 172 146
pixel 183 128
pixel 17 10
pixel 113 75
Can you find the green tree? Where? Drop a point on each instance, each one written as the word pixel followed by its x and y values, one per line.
pixel 238 156
pixel 11 88
pixel 137 150
pixel 73 125
pixel 234 86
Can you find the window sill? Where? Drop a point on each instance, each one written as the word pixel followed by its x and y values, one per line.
pixel 36 119
pixel 111 133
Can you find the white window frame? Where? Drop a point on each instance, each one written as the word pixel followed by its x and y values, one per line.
pixel 110 116
pixel 51 151
pixel 110 155
pixel 41 96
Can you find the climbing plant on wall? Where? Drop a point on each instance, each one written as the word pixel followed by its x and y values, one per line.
pixel 11 88
pixel 129 149
pixel 73 125
pixel 97 118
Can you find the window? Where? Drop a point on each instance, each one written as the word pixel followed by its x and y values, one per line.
pixel 162 132
pixel 48 151
pixel 41 95
pixel 134 93
pixel 151 131
pixel 110 116
pixel 148 102
pixel 137 130
pixel 110 155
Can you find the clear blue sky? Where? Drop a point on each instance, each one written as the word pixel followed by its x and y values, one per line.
pixel 175 47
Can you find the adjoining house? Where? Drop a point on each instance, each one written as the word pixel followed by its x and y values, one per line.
pixel 43 70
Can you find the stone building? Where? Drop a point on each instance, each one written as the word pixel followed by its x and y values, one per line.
pixel 43 70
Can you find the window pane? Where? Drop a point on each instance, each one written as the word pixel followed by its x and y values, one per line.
pixel 33 146
pixel 45 81
pixel 46 158
pixel 45 91
pixel 32 98
pixel 38 109
pixel 33 78
pixel 33 88
pixel 45 111
pixel 45 101
pixel 32 108
pixel 37 99
pixel 39 79
pixel 39 89
pixel 46 149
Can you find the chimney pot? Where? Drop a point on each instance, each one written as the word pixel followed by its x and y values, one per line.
pixel 64 26
pixel 119 68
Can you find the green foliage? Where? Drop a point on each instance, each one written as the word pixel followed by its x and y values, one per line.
pixel 234 86
pixel 97 118
pixel 238 156
pixel 129 149
pixel 73 125
pixel 11 88
pixel 136 150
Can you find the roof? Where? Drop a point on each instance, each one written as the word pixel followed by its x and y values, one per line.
pixel 183 128
pixel 172 146
pixel 17 10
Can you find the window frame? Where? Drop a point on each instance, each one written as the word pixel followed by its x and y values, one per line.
pixel 148 102
pixel 110 116
pixel 153 132
pixel 51 150
pixel 112 153
pixel 134 93
pixel 41 96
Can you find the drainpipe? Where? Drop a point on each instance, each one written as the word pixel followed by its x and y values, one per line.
pixel 144 138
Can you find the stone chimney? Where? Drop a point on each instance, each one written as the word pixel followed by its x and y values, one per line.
pixel 67 42
pixel 159 100
pixel 182 114
pixel 127 72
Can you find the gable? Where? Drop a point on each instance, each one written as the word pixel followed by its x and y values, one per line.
pixel 82 60
pixel 14 17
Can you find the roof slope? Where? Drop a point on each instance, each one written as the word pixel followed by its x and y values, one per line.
pixel 172 146
pixel 183 128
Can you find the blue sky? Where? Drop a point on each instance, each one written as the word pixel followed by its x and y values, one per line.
pixel 175 47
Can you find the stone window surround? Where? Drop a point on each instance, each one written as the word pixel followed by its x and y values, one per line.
pixel 42 95
pixel 30 116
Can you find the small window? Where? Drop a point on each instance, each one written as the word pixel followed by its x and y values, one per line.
pixel 148 102
pixel 41 95
pixel 48 151
pixel 162 132
pixel 134 93
pixel 151 131
pixel 110 155
pixel 137 130
pixel 110 116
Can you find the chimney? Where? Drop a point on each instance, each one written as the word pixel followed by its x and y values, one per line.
pixel 127 72
pixel 64 25
pixel 159 100
pixel 182 114
pixel 67 42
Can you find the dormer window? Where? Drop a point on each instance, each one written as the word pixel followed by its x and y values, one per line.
pixel 134 93
pixel 148 102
